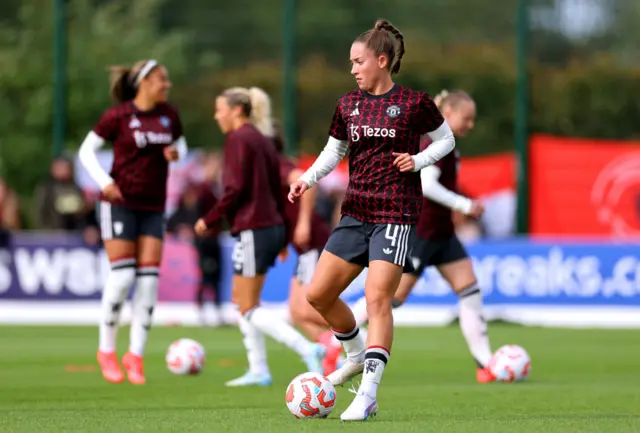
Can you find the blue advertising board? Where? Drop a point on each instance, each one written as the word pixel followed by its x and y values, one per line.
pixel 520 271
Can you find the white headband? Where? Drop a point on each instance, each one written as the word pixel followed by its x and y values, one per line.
pixel 145 71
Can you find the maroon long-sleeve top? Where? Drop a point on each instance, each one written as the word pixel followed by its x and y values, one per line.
pixel 252 194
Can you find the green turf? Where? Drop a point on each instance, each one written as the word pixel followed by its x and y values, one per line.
pixel 581 381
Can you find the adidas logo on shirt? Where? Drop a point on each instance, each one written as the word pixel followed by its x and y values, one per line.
pixel 355 112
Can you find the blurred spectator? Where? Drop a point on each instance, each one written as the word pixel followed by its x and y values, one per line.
pixel 195 201
pixel 9 213
pixel 91 228
pixel 60 203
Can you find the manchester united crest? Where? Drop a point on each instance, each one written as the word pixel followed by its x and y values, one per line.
pixel 393 111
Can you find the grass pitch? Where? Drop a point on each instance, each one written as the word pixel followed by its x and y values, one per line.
pixel 581 381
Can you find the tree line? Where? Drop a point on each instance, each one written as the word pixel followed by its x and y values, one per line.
pixel 585 86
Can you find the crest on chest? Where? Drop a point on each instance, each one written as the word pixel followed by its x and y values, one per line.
pixel 150 131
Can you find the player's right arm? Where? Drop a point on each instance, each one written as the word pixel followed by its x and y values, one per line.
pixel 333 152
pixel 106 129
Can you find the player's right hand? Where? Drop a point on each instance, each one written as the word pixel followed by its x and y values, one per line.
pixel 297 189
pixel 201 227
pixel 112 193
pixel 477 209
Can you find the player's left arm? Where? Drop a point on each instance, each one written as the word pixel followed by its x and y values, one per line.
pixel 432 123
pixel 179 144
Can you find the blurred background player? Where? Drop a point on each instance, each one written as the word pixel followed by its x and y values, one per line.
pixel 380 124
pixel 196 200
pixel 436 243
pixel 309 234
pixel 253 204
pixel 146 133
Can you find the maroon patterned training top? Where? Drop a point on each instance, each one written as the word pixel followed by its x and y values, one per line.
pixel 376 126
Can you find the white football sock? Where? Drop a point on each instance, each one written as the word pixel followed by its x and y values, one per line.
pixel 279 330
pixel 364 333
pixel 353 343
pixel 375 360
pixel 121 277
pixel 473 325
pixel 360 311
pixel 144 301
pixel 255 345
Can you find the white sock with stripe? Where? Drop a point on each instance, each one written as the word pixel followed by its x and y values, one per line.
pixel 144 302
pixel 375 361
pixel 352 342
pixel 473 325
pixel 255 345
pixel 121 277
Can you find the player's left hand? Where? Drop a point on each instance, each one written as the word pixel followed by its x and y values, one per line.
pixel 171 153
pixel 404 162
pixel 201 228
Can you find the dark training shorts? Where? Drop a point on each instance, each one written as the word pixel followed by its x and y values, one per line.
pixel 427 253
pixel 257 250
pixel 360 243
pixel 117 222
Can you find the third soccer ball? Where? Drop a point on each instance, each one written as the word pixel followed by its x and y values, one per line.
pixel 185 356
pixel 310 395
pixel 510 363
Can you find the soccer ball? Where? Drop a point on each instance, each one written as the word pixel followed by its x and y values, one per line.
pixel 310 395
pixel 510 363
pixel 185 356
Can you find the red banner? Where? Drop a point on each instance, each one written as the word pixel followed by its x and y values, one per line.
pixel 482 176
pixel 584 187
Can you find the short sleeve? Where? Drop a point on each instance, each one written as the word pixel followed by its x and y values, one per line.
pixel 429 117
pixel 107 126
pixel 338 128
pixel 176 125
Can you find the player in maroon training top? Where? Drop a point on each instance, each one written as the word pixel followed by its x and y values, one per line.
pixel 146 134
pixel 436 243
pixel 380 124
pixel 253 203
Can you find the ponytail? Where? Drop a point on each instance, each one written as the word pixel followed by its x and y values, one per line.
pixel 255 105
pixel 385 39
pixel 121 89
pixel 451 99
pixel 440 98
pixel 261 111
